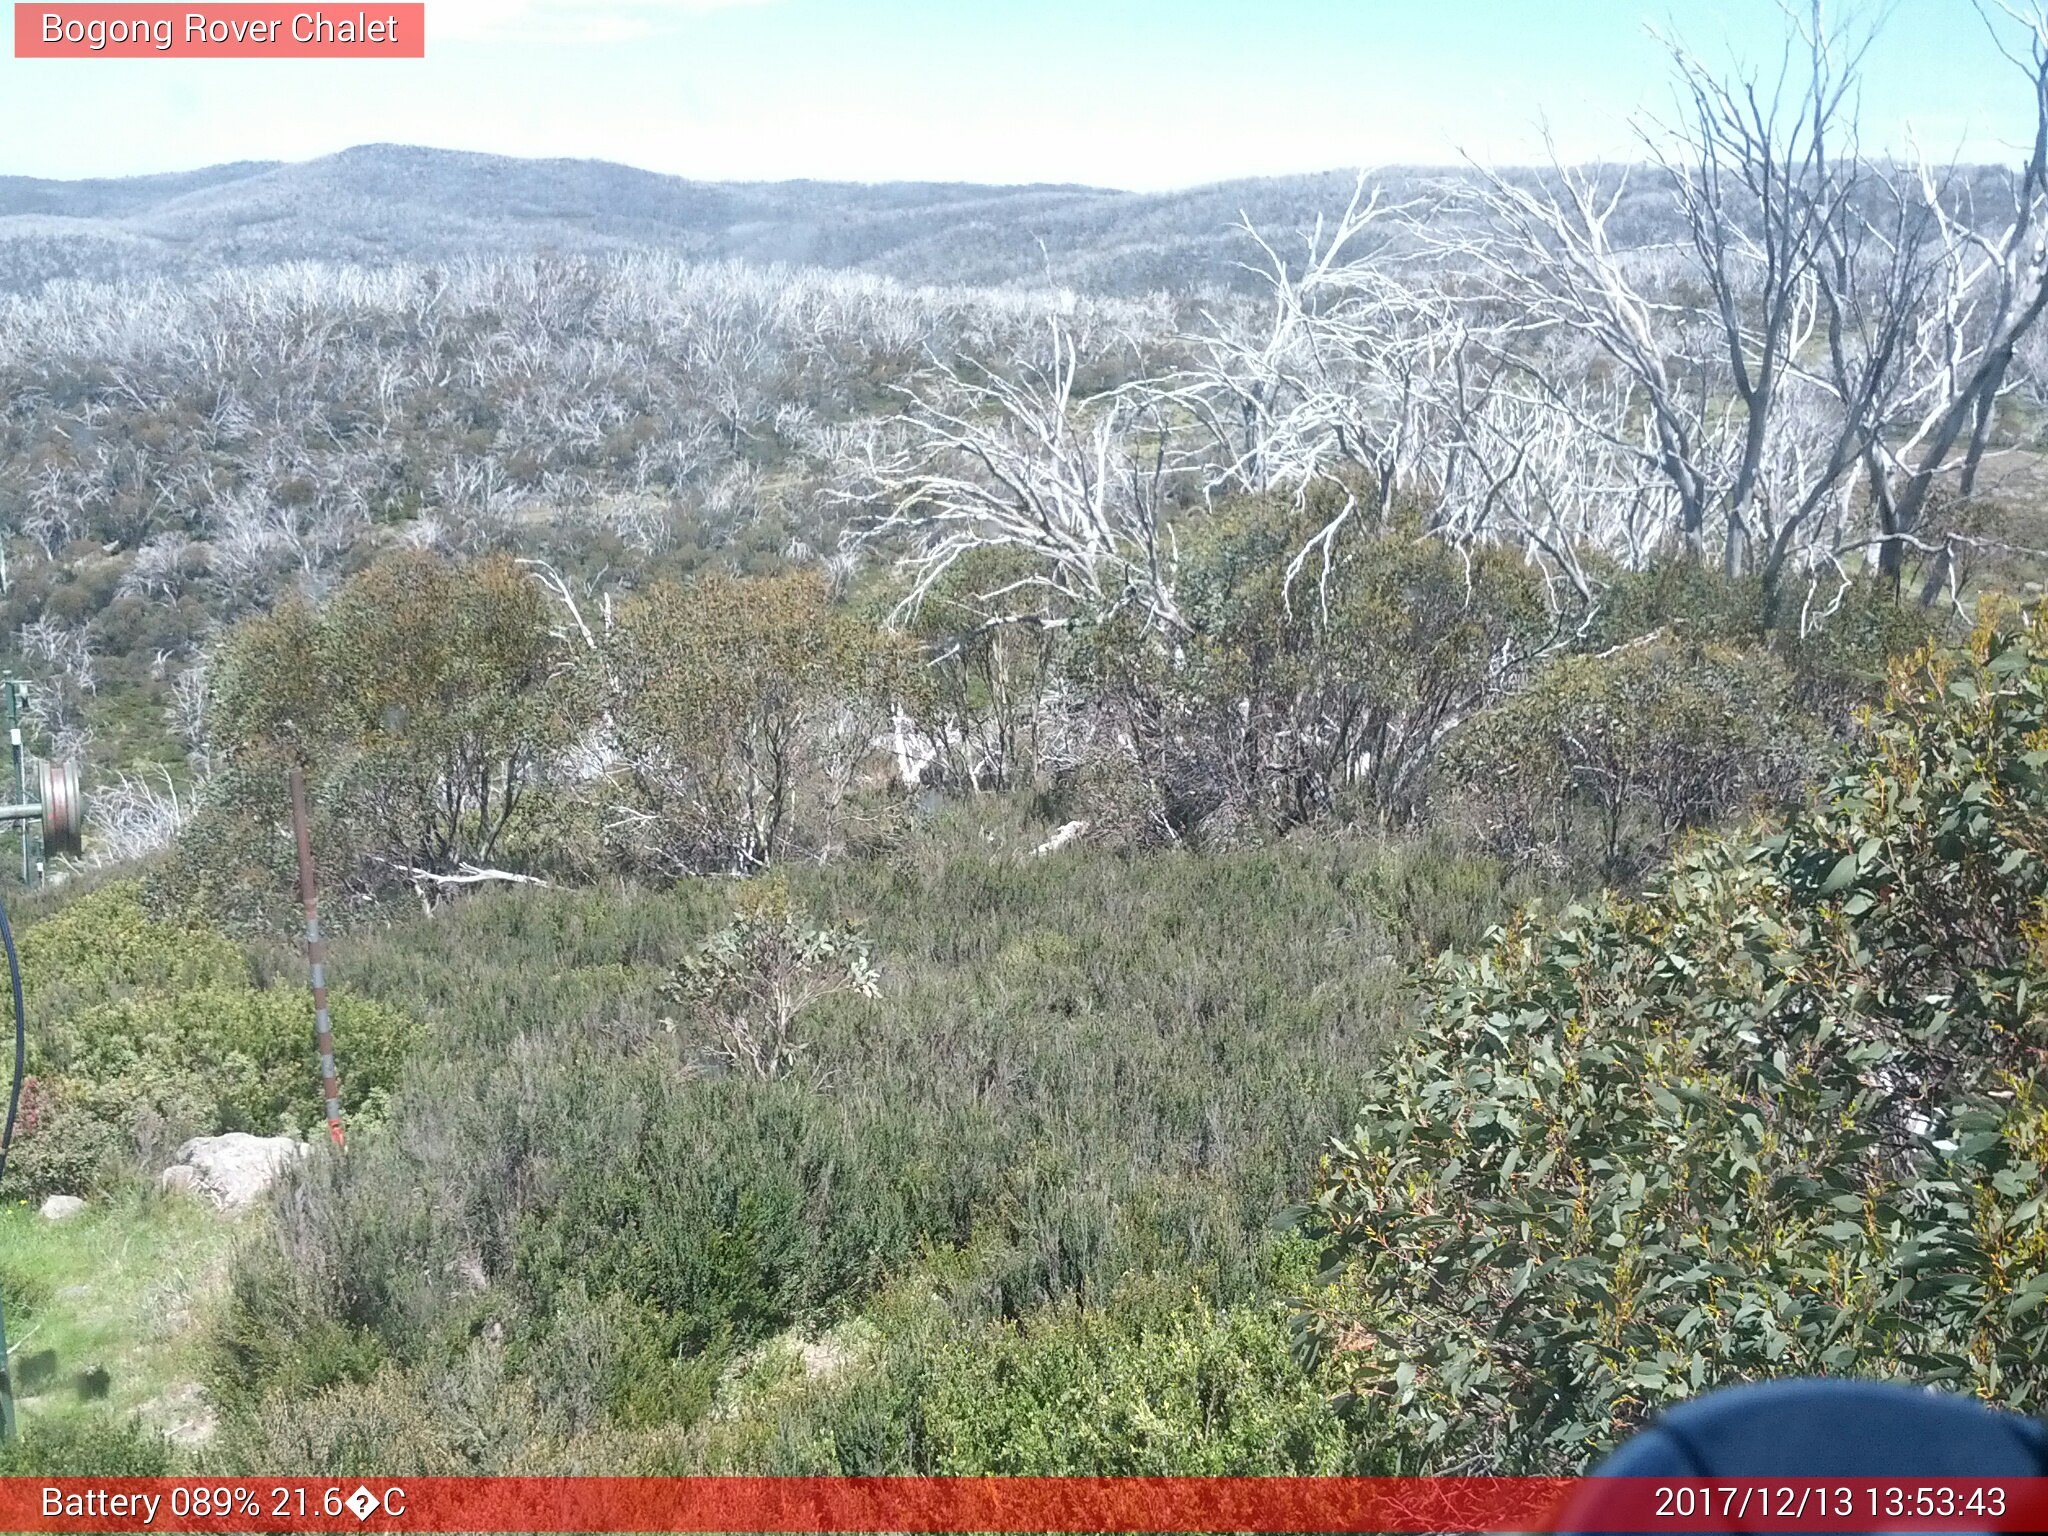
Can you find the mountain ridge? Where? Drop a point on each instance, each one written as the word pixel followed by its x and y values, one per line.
pixel 380 202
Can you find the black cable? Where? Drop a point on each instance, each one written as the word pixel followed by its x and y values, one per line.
pixel 20 1038
pixel 7 1141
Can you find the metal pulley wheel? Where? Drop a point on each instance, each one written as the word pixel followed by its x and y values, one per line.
pixel 63 809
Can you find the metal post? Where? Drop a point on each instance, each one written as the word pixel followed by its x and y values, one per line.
pixel 14 691
pixel 8 1430
pixel 316 958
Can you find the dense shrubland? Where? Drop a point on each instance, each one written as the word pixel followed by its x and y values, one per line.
pixel 1003 1199
pixel 874 833
pixel 1078 1072
pixel 458 728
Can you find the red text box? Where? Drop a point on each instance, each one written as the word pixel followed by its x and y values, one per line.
pixel 220 31
pixel 397 1506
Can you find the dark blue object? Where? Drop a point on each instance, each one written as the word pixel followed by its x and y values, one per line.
pixel 1827 1428
pixel 1833 1429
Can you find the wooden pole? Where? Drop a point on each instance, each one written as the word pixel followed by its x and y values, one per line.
pixel 316 958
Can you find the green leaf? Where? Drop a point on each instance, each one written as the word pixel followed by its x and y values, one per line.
pixel 1840 876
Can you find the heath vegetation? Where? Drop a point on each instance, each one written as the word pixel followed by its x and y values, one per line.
pixel 1382 868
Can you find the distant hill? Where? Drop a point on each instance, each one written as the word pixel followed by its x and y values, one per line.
pixel 384 202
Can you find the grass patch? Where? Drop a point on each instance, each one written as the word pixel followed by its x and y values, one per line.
pixel 104 1311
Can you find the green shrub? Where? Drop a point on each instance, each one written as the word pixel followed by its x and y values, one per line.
pixel 743 714
pixel 1150 1385
pixel 1691 599
pixel 1627 749
pixel 465 1417
pixel 87 1445
pixel 747 1211
pixel 1155 1381
pixel 77 1139
pixel 746 985
pixel 245 1058
pixel 992 699
pixel 24 1292
pixel 147 1030
pixel 1291 702
pixel 109 944
pixel 1842 663
pixel 323 1353
pixel 1781 1115
pixel 291 1330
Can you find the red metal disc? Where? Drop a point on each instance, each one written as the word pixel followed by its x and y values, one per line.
pixel 63 809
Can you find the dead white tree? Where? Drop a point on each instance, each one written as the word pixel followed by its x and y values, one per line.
pixel 984 460
pixel 1336 378
pixel 188 715
pixel 1556 475
pixel 557 586
pixel 161 567
pixel 1840 328
pixel 1987 297
pixel 134 816
pixel 61 658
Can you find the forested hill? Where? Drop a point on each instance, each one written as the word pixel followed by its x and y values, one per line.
pixel 381 203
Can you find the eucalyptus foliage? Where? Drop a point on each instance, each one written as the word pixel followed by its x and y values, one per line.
pixel 1783 1114
pixel 424 702
pixel 747 983
pixel 742 717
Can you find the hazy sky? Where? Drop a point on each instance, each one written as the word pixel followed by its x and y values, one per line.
pixel 1131 93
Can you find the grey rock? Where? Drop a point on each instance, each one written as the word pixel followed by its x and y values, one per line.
pixel 232 1170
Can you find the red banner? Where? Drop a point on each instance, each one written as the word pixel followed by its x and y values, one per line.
pixel 221 31
pixel 389 1504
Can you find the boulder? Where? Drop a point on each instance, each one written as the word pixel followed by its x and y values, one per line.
pixel 62 1207
pixel 179 1179
pixel 230 1170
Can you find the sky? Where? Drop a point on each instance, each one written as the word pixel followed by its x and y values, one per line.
pixel 1142 94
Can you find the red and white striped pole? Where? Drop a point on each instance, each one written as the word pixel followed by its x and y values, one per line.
pixel 316 958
